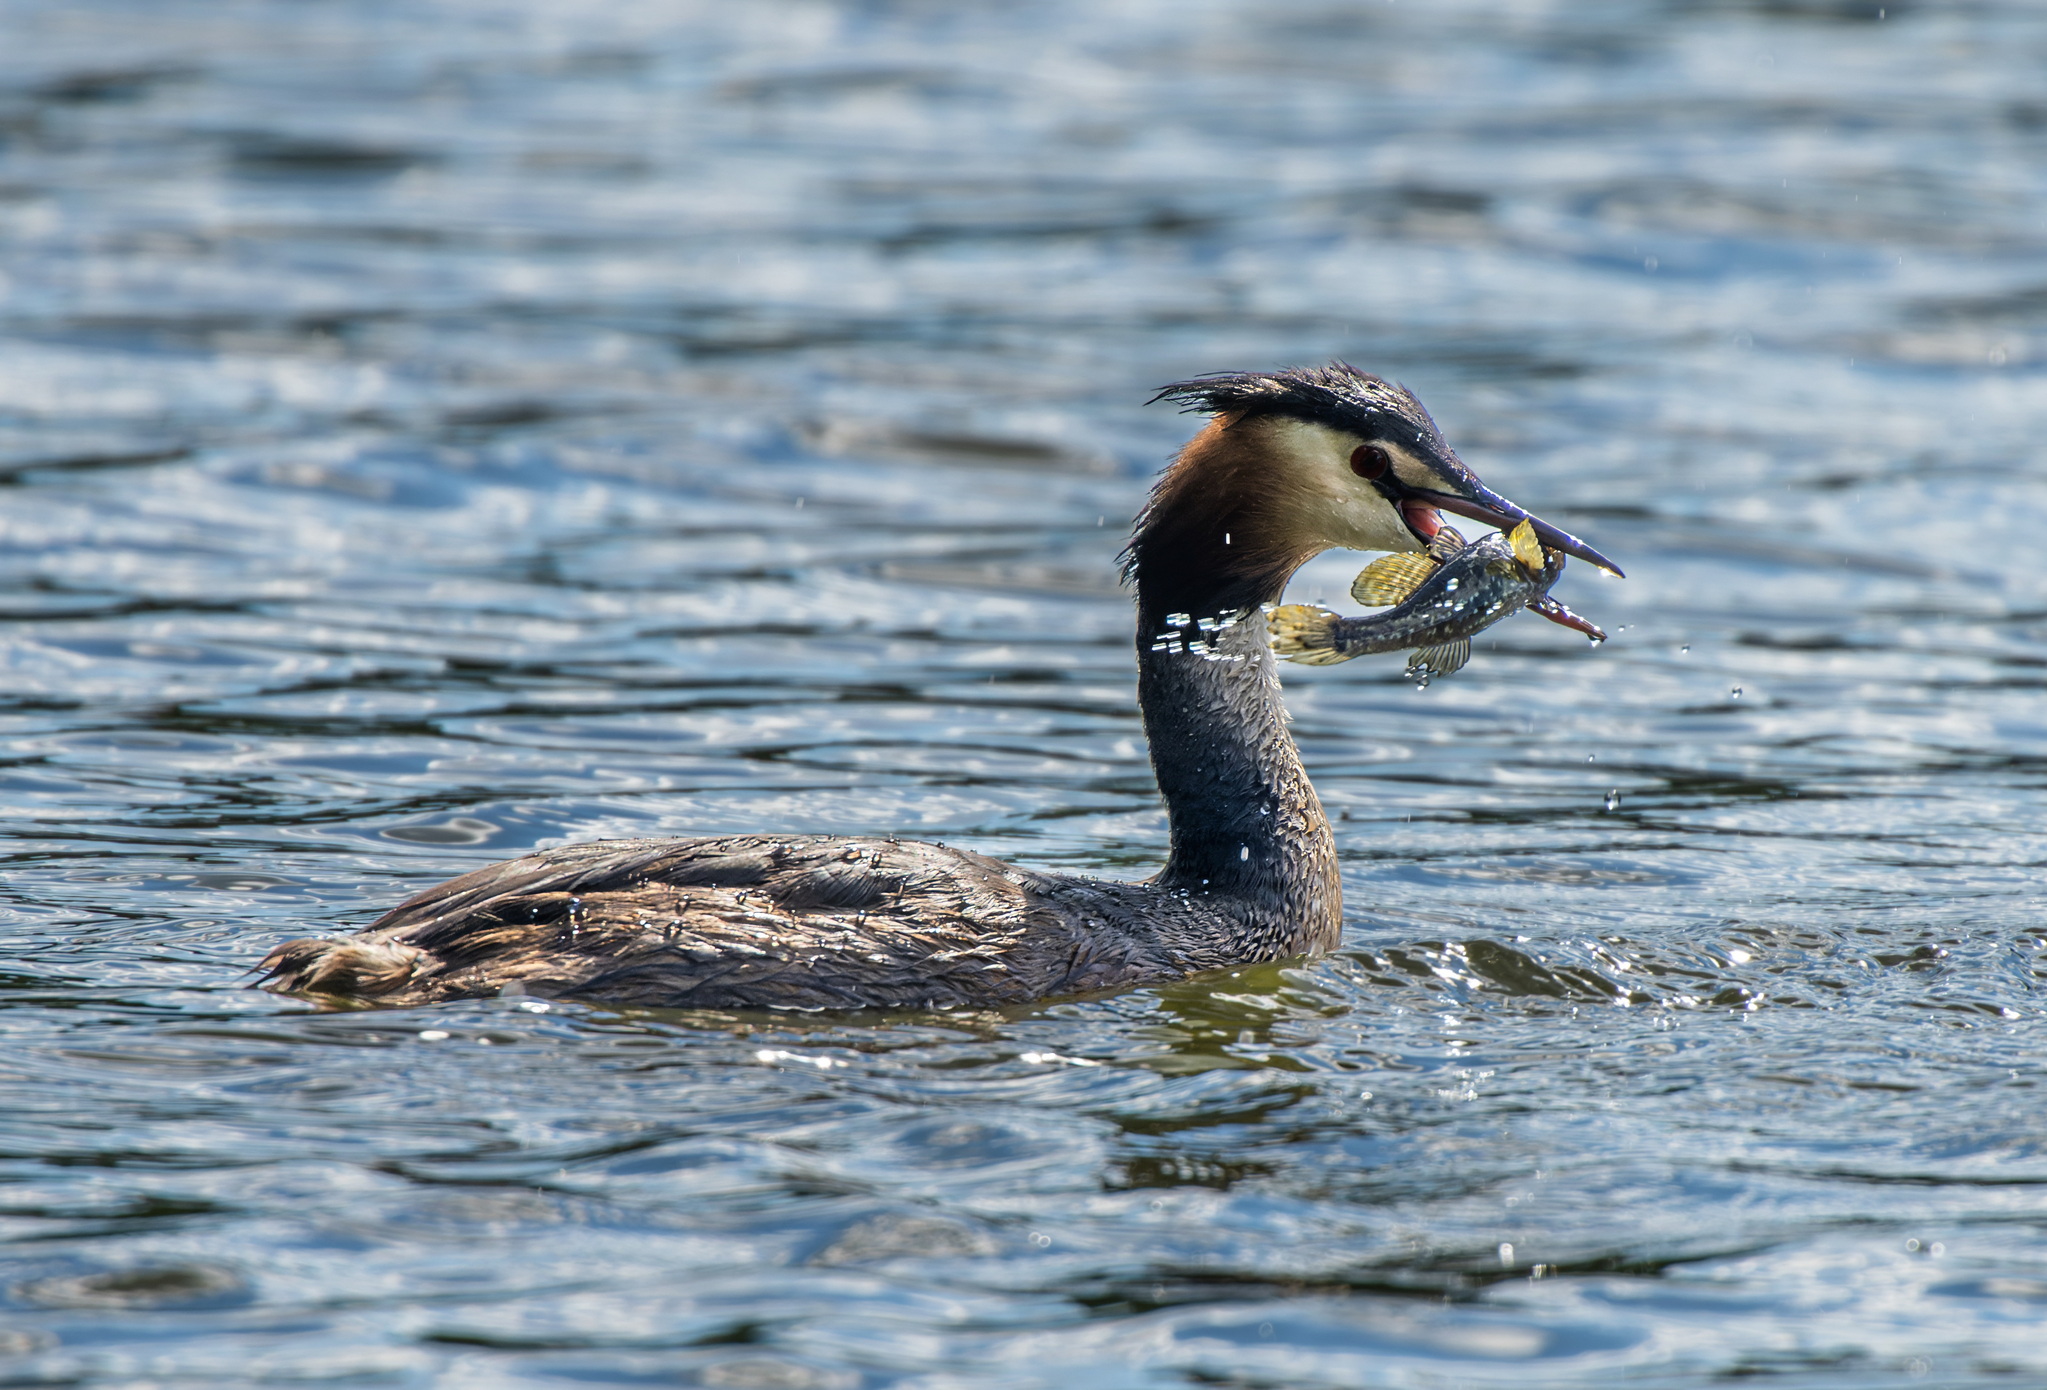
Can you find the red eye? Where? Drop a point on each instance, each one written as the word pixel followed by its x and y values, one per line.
pixel 1370 461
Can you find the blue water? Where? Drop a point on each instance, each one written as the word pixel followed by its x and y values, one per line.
pixel 430 431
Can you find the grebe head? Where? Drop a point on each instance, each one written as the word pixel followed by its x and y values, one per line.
pixel 1294 463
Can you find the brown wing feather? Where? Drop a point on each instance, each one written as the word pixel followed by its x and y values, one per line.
pixel 733 923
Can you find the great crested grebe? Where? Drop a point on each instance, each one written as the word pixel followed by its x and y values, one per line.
pixel 1292 463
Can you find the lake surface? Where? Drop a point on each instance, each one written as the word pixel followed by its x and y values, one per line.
pixel 432 431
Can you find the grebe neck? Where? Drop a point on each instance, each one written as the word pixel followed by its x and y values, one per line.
pixel 1246 824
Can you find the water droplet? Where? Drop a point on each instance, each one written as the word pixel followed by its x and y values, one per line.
pixel 1506 1255
pixel 1684 650
pixel 1613 800
pixel 1243 853
pixel 1734 694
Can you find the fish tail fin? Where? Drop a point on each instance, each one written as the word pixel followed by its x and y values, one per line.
pixel 1304 632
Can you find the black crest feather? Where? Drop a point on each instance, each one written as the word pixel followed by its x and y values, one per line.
pixel 1338 394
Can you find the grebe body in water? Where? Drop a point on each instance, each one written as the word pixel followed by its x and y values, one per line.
pixel 1292 463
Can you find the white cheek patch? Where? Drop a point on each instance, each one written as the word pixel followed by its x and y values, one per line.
pixel 1318 502
pixel 1374 524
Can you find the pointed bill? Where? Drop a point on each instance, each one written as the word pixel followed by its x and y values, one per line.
pixel 1494 510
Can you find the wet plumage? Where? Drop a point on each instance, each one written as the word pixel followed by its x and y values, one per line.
pixel 1290 464
pixel 751 920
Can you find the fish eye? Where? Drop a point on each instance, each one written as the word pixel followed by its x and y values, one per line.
pixel 1370 461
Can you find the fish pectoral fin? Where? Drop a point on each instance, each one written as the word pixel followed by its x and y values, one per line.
pixel 1445 543
pixel 1443 660
pixel 1300 632
pixel 1390 579
pixel 1527 549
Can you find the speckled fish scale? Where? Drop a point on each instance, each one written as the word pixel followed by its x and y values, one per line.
pixel 1439 599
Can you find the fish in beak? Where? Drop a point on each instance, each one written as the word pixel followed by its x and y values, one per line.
pixel 1479 502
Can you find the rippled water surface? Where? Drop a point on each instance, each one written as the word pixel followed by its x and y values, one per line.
pixel 431 431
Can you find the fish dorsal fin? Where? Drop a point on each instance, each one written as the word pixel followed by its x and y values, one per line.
pixel 1445 543
pixel 1300 632
pixel 1527 549
pixel 1444 660
pixel 1390 579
